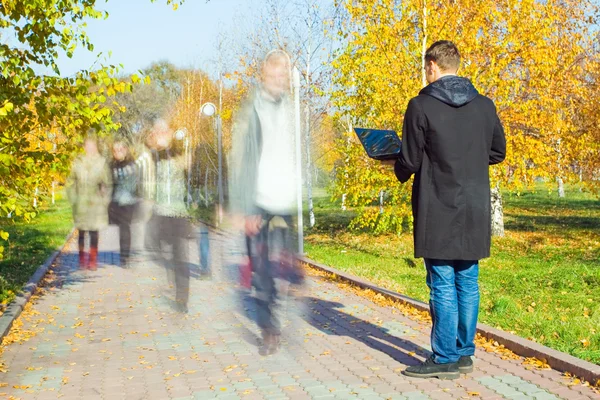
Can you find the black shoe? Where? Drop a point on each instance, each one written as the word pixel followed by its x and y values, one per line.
pixel 465 365
pixel 429 369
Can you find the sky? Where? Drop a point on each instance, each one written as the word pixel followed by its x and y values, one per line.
pixel 139 32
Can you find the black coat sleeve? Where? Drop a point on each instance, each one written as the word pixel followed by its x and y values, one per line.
pixel 498 149
pixel 413 142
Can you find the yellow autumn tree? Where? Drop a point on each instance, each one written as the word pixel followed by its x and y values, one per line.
pixel 524 54
pixel 200 132
pixel 587 121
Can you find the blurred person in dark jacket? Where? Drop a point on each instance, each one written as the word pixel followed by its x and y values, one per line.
pixel 124 196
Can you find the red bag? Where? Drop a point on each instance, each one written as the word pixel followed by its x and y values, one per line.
pixel 246 273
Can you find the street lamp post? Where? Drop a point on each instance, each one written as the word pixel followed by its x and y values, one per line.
pixel 296 83
pixel 209 109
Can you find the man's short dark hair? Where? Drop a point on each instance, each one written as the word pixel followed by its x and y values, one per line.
pixel 445 54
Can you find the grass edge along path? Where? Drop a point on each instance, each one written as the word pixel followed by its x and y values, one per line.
pixel 29 245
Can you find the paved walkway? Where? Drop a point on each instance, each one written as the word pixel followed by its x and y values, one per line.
pixel 111 334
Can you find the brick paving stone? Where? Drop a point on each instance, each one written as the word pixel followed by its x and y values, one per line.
pixel 416 396
pixel 253 396
pixel 485 393
pixel 583 390
pixel 506 390
pixel 564 392
pixel 299 396
pixel 519 396
pixel 544 396
pixel 440 395
pixel 427 384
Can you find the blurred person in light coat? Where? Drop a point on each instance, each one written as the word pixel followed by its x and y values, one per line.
pixel 263 189
pixel 89 189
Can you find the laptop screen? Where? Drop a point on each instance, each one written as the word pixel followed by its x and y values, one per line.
pixel 379 143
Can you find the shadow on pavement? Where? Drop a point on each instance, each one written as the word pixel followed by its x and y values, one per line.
pixel 327 317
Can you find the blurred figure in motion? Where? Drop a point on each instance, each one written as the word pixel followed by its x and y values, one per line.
pixel 169 230
pixel 263 190
pixel 124 196
pixel 88 189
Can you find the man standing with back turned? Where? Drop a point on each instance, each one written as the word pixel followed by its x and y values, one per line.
pixel 451 134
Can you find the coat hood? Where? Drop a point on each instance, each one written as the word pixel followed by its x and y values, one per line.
pixel 452 90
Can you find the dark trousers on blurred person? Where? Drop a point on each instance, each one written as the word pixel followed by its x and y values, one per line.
pixel 122 215
pixel 266 250
pixel 175 232
pixel 92 262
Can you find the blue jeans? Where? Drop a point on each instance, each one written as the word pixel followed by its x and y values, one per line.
pixel 454 304
pixel 204 249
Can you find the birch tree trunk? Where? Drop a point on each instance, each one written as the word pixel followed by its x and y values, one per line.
pixel 307 139
pixel 561 187
pixel 497 212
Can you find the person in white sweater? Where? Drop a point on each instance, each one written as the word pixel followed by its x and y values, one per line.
pixel 262 189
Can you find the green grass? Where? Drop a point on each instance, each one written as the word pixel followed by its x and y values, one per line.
pixel 542 281
pixel 30 244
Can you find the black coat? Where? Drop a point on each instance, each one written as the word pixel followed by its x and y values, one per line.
pixel 451 134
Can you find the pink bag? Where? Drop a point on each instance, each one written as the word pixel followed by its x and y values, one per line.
pixel 246 273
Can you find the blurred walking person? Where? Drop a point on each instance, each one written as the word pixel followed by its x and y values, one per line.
pixel 88 189
pixel 124 196
pixel 169 230
pixel 263 189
